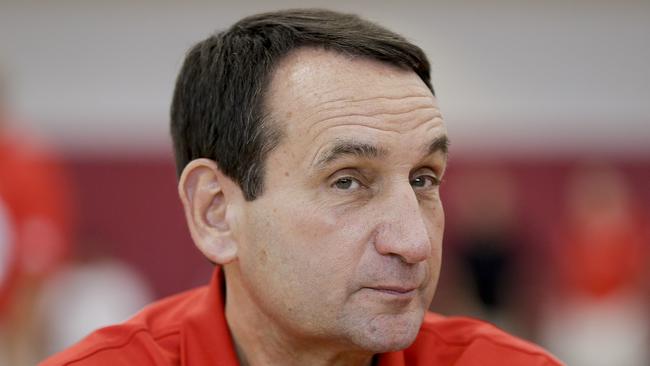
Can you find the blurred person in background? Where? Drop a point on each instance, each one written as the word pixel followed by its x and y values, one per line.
pixel 94 290
pixel 310 148
pixel 36 225
pixel 488 243
pixel 50 295
pixel 599 314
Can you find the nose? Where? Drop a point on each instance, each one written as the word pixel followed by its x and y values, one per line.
pixel 403 231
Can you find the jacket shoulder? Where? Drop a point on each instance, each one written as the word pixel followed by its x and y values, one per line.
pixel 463 341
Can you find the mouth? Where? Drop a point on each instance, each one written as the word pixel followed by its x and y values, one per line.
pixel 395 292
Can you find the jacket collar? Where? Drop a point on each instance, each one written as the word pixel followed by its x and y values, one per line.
pixel 205 338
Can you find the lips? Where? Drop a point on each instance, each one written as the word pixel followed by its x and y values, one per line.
pixel 401 294
pixel 397 290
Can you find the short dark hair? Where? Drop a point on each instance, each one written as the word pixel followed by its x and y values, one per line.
pixel 217 109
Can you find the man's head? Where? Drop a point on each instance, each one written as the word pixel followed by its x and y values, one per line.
pixel 319 194
pixel 218 110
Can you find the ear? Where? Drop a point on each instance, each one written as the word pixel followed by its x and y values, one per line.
pixel 202 189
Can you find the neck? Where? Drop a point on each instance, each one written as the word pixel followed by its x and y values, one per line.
pixel 259 340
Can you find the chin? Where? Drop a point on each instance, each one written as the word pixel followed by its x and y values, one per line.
pixel 387 333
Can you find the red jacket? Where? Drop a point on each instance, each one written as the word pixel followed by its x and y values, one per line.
pixel 190 329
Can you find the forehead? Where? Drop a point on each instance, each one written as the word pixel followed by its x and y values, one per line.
pixel 317 95
pixel 310 75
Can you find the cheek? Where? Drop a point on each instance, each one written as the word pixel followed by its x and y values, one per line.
pixel 330 241
pixel 304 243
pixel 437 222
pixel 436 228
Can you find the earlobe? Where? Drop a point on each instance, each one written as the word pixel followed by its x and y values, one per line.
pixel 219 251
pixel 206 206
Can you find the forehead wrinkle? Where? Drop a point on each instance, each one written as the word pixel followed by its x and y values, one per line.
pixel 377 123
pixel 331 107
pixel 378 114
pixel 389 92
pixel 382 103
pixel 348 94
pixel 370 122
pixel 325 106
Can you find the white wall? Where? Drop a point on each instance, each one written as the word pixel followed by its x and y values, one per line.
pixel 540 77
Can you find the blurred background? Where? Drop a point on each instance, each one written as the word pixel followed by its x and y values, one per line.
pixel 547 195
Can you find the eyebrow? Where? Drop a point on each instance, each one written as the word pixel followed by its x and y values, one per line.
pixel 439 144
pixel 345 148
pixel 350 148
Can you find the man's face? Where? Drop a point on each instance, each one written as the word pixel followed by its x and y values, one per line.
pixel 344 244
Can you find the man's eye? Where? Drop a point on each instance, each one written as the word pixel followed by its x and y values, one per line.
pixel 424 181
pixel 346 183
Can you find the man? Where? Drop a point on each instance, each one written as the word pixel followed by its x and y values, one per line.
pixel 310 150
